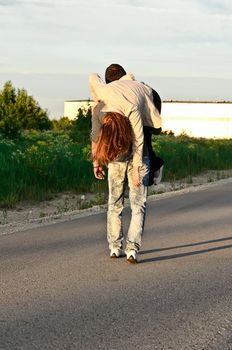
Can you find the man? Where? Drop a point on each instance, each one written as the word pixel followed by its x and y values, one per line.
pixel 124 95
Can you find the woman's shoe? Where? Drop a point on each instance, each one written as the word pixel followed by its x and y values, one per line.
pixel 158 175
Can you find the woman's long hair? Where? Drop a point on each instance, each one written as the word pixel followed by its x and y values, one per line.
pixel 115 139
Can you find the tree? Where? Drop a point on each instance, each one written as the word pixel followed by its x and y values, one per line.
pixel 64 124
pixel 19 111
pixel 81 127
pixel 10 124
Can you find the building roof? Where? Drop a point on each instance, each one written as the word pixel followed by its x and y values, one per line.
pixel 164 101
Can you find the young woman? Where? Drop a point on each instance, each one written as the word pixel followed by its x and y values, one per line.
pixel 115 142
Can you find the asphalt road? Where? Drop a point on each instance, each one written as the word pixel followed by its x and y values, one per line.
pixel 60 290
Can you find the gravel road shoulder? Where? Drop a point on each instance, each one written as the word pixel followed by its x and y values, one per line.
pixel 66 206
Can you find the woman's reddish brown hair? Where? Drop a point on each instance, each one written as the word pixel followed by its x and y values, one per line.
pixel 115 139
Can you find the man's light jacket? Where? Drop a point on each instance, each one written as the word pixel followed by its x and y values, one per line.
pixel 131 99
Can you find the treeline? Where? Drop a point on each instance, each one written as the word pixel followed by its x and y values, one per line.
pixel 20 112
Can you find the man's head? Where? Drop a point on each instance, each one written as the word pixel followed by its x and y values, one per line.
pixel 114 72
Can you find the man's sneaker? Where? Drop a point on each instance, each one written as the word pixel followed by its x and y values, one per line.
pixel 158 176
pixel 116 253
pixel 132 257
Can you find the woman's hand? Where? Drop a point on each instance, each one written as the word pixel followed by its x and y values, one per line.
pixel 136 177
pixel 99 172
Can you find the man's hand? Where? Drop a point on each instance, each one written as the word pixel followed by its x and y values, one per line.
pixel 99 172
pixel 136 177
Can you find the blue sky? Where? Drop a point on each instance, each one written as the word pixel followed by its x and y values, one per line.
pixel 182 48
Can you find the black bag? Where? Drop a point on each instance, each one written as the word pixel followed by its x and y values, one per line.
pixel 155 162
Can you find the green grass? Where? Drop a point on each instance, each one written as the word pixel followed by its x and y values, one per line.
pixel 185 156
pixel 41 164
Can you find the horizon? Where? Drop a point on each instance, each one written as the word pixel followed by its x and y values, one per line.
pixel 164 101
pixel 51 91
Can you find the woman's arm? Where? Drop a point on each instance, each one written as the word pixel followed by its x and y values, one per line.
pixel 96 127
pixel 96 86
pixel 97 168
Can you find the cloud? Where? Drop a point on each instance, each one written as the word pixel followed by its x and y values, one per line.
pixel 42 3
pixel 215 6
pixel 8 2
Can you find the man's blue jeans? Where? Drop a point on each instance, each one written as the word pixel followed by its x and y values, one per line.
pixel 118 175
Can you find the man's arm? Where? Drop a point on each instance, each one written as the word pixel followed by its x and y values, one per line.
pixel 137 127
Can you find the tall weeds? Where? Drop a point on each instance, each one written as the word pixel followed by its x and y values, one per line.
pixel 40 164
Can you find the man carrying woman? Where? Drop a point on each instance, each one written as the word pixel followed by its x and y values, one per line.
pixel 123 106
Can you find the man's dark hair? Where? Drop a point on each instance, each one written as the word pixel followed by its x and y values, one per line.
pixel 114 72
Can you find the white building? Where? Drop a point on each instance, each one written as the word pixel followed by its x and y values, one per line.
pixel 205 119
pixel 71 107
pixel 197 119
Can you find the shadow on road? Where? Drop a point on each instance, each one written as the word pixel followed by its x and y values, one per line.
pixel 180 255
pixel 185 245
